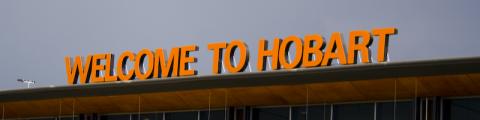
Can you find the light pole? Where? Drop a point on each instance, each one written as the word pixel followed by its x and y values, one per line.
pixel 28 82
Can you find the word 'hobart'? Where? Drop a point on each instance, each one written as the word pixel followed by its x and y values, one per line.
pixel 309 51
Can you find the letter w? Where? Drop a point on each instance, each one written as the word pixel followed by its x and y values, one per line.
pixel 78 70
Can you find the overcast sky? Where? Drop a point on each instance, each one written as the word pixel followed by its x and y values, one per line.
pixel 36 35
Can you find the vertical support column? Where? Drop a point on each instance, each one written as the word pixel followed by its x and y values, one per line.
pixel 375 111
pixel 331 111
pixel 248 112
pixel 429 108
pixel 209 104
pixel 395 101
pixel 60 110
pixel 307 105
pixel 289 112
pixel 417 108
pixel 416 103
pixel 226 105
pixel 73 110
pixel 139 107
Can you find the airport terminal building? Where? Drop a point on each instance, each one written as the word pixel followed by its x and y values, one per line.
pixel 300 84
pixel 441 89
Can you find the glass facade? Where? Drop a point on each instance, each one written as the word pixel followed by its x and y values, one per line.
pixel 147 116
pixel 448 109
pixel 212 115
pixel 399 110
pixel 181 116
pixel 315 112
pixel 279 113
pixel 116 117
pixel 360 111
pixel 463 109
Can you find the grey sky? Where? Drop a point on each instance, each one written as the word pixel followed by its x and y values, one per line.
pixel 35 35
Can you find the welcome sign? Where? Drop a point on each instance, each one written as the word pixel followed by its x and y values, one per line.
pixel 310 51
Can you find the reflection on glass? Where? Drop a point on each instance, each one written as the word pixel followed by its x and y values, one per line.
pixel 281 113
pixel 362 111
pixel 214 115
pixel 181 116
pixel 464 109
pixel 299 113
pixel 404 110
pixel 316 112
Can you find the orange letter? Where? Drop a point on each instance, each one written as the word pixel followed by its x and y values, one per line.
pixel 78 70
pixel 122 72
pixel 263 54
pixel 229 56
pixel 217 55
pixel 140 71
pixel 171 67
pixel 334 50
pixel 185 59
pixel 383 41
pixel 97 67
pixel 310 49
pixel 355 45
pixel 283 52
pixel 109 76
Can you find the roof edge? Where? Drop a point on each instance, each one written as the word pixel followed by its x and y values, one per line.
pixel 463 65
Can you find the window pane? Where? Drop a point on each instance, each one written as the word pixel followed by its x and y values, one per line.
pixel 214 115
pixel 148 116
pixel 299 113
pixel 181 116
pixel 319 112
pixel 271 113
pixel 240 114
pixel 404 111
pixel 116 117
pixel 465 109
pixel 363 111
pixel 314 113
